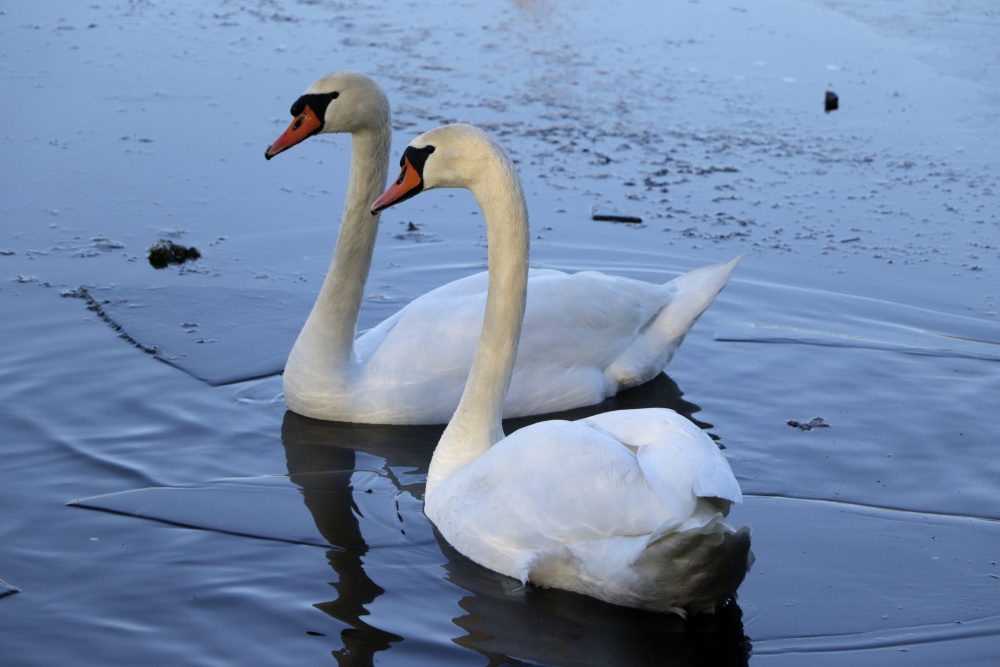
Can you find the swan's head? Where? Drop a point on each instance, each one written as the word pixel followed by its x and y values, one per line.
pixel 450 156
pixel 338 102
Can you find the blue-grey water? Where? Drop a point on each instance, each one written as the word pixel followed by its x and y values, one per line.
pixel 233 532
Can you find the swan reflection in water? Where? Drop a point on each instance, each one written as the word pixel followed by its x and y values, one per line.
pixel 398 582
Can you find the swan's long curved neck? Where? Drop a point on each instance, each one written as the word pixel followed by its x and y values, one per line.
pixel 328 335
pixel 476 426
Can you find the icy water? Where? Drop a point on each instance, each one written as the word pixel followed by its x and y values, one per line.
pixel 232 532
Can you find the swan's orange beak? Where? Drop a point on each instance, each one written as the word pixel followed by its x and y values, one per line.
pixel 407 185
pixel 304 126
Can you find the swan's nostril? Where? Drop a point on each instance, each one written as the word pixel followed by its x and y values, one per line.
pixel 298 122
pixel 399 181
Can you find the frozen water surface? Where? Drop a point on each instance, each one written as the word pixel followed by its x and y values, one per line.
pixel 233 532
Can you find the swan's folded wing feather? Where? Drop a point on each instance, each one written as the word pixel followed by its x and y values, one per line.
pixel 575 325
pixel 434 337
pixel 679 460
pixel 586 315
pixel 556 484
pixel 549 484
pixel 569 318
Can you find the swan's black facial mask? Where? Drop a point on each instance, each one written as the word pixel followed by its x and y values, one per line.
pixel 309 112
pixel 411 178
pixel 318 102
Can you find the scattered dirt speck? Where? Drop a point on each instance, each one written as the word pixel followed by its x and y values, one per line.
pixel 815 422
pixel 831 101
pixel 165 252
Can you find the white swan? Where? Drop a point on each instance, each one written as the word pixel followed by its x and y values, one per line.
pixel 628 506
pixel 586 336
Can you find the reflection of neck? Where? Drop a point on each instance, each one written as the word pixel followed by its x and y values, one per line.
pixel 475 426
pixel 328 335
pixel 320 461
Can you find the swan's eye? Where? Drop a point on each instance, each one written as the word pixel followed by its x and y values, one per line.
pixel 334 95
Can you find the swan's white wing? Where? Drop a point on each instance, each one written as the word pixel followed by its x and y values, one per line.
pixel 679 460
pixel 586 336
pixel 586 317
pixel 560 483
pixel 596 314
pixel 547 485
pixel 575 327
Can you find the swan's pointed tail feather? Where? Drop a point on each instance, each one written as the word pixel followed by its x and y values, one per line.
pixel 694 292
pixel 716 273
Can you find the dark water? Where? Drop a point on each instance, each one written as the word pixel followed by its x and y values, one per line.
pixel 234 532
